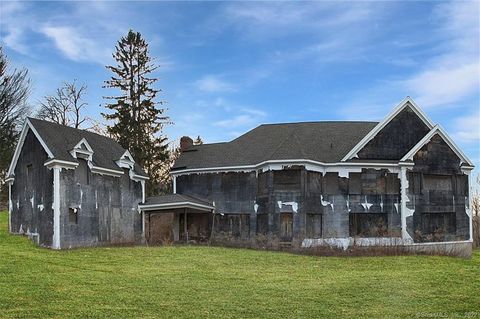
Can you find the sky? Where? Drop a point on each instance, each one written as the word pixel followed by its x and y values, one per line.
pixel 226 67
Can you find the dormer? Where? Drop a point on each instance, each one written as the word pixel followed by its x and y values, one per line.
pixel 82 150
pixel 126 161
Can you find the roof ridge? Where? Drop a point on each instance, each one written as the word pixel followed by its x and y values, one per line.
pixel 73 128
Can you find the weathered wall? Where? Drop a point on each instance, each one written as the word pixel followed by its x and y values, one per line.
pixel 106 208
pixel 32 193
pixel 396 138
pixel 438 194
pixel 294 204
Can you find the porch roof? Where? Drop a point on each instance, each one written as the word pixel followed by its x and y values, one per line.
pixel 174 201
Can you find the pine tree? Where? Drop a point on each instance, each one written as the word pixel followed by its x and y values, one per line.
pixel 138 122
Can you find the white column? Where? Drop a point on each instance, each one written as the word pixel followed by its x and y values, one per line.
pixel 56 208
pixel 469 209
pixel 10 207
pixel 143 190
pixel 403 201
pixel 174 184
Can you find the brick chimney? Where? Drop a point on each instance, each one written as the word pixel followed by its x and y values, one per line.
pixel 185 143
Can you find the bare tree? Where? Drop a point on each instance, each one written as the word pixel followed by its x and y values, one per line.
pixel 14 91
pixel 65 107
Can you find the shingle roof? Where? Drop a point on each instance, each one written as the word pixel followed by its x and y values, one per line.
pixel 175 198
pixel 61 140
pixel 324 142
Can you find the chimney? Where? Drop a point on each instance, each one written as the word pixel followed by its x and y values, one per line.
pixel 185 143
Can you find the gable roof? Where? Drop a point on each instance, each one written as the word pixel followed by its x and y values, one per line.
pixel 59 140
pixel 437 130
pixel 325 142
pixel 407 102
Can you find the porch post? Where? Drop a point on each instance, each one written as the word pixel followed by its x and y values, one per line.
pixel 10 207
pixel 185 228
pixel 403 201
pixel 56 208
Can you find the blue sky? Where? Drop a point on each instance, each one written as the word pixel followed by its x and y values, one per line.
pixel 226 67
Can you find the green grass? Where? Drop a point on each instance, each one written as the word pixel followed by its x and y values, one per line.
pixel 198 282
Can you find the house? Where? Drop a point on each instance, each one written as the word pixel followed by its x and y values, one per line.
pixel 72 188
pixel 402 181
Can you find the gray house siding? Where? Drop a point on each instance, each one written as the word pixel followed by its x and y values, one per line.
pixel 313 205
pixel 32 194
pixel 106 209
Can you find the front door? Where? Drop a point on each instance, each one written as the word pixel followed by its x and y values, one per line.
pixel 286 226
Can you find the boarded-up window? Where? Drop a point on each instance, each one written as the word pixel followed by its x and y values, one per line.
pixel 83 172
pixel 369 182
pixel 392 184
pixel 437 182
pixel 368 224
pixel 29 174
pixel 331 183
pixel 286 179
pixel 314 182
pixel 314 225
pixel 438 223
pixel 236 225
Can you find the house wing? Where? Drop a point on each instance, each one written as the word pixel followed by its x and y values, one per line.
pixel 393 137
pixel 437 133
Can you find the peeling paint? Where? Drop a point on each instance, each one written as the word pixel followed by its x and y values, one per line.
pixel 294 205
pixel 255 207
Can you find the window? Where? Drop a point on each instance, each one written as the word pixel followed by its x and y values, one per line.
pixel 83 172
pixel 72 216
pixel 29 174
pixel 368 225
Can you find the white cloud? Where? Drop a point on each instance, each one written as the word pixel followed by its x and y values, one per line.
pixel 442 85
pixel 248 118
pixel 213 84
pixel 467 128
pixel 453 74
pixel 75 46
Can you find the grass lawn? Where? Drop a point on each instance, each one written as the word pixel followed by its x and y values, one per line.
pixel 195 282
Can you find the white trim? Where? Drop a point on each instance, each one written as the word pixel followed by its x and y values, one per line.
pixel 10 180
pixel 174 180
pixel 59 163
pixel 56 208
pixel 10 207
pixel 427 138
pixel 126 161
pixel 105 171
pixel 281 164
pixel 137 178
pixel 407 102
pixel 77 149
pixel 27 125
pixel 176 205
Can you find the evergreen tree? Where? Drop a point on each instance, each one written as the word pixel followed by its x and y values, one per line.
pixel 137 119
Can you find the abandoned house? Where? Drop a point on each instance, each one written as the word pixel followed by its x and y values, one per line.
pixel 401 181
pixel 73 188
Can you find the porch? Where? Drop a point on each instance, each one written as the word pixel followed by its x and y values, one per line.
pixel 176 218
